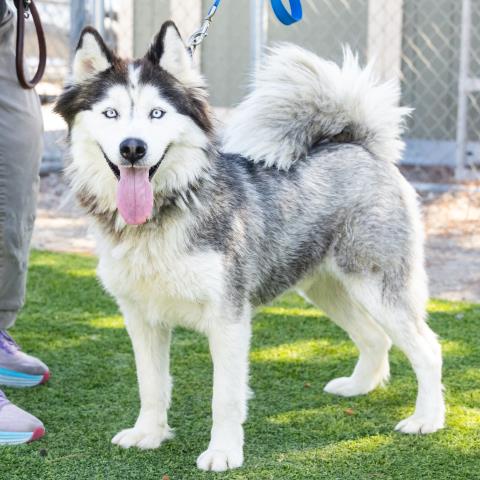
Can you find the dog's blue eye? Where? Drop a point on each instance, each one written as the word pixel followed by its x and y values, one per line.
pixel 110 113
pixel 157 113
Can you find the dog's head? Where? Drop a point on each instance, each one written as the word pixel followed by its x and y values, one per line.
pixel 137 128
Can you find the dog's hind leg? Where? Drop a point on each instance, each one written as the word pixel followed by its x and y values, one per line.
pixel 415 338
pixel 372 368
pixel 402 316
pixel 151 346
pixel 229 341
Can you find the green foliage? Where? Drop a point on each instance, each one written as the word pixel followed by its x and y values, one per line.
pixel 294 430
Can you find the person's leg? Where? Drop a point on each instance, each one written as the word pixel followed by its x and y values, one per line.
pixel 21 143
pixel 3 9
pixel 21 134
pixel 21 139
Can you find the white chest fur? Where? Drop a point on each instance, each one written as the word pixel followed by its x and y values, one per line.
pixel 161 275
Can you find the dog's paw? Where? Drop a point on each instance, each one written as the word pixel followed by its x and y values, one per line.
pixel 420 425
pixel 347 387
pixel 144 439
pixel 220 460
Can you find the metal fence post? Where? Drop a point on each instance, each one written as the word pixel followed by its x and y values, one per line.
pixel 99 16
pixel 77 22
pixel 462 112
pixel 258 30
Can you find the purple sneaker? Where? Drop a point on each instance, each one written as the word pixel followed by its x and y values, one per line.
pixel 17 425
pixel 17 369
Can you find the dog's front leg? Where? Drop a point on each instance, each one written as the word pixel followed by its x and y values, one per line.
pixel 229 345
pixel 151 346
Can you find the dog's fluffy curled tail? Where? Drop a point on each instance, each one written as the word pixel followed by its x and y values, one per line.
pixel 299 100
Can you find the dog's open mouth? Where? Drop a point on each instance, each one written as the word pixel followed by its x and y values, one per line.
pixel 134 191
pixel 116 170
pixel 113 167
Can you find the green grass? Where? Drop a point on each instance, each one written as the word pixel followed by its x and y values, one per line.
pixel 294 430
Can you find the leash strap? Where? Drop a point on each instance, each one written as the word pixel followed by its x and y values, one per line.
pixel 24 9
pixel 286 17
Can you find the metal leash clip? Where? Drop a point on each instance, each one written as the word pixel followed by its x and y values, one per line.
pixel 26 7
pixel 199 35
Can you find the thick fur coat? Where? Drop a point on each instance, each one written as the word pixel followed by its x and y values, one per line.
pixel 301 192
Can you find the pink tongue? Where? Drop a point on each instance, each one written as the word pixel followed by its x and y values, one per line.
pixel 134 195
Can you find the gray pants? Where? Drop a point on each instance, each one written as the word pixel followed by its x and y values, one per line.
pixel 21 145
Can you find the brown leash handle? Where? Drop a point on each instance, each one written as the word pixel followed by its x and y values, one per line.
pixel 24 7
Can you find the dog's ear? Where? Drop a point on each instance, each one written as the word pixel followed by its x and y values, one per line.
pixel 169 51
pixel 92 56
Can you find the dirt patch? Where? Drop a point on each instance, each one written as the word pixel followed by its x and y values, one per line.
pixel 60 225
pixel 452 226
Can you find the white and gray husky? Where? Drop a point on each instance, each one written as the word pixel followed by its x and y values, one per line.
pixel 302 192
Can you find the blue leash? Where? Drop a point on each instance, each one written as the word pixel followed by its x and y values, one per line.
pixel 286 17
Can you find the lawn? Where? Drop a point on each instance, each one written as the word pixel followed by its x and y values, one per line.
pixel 294 430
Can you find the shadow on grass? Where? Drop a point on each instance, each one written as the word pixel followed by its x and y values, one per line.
pixel 294 429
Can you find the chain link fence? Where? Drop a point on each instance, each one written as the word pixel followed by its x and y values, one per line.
pixel 473 100
pixel 55 15
pixel 62 22
pixel 417 42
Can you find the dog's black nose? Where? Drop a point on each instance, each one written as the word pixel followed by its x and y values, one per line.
pixel 133 149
